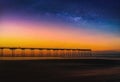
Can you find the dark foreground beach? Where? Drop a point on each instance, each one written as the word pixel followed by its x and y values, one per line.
pixel 60 70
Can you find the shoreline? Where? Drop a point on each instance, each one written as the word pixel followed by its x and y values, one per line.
pixel 56 58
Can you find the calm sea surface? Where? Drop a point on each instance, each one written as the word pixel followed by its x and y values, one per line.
pixel 58 69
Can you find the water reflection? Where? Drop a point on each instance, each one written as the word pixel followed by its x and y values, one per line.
pixel 52 58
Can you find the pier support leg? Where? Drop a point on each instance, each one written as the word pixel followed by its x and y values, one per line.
pixel 40 53
pixel 23 53
pixel 32 52
pixel 13 52
pixel 1 54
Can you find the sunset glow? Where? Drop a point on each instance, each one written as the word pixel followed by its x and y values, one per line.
pixel 25 33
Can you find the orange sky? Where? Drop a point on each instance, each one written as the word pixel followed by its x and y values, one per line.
pixel 30 34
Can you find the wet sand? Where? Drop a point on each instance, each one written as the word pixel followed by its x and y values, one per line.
pixel 60 70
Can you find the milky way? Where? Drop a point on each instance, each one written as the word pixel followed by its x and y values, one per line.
pixel 100 16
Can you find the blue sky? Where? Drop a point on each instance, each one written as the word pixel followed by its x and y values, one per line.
pixel 100 15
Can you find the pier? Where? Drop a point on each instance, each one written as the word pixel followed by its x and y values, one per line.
pixel 46 52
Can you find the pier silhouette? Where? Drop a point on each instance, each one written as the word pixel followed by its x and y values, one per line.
pixel 47 52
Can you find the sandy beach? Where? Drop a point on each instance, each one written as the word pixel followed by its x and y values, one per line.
pixel 61 70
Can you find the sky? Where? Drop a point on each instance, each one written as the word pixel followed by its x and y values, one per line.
pixel 93 24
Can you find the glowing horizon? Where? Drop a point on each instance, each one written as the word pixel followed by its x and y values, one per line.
pixel 24 33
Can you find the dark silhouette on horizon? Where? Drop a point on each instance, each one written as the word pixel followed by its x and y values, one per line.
pixel 50 52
